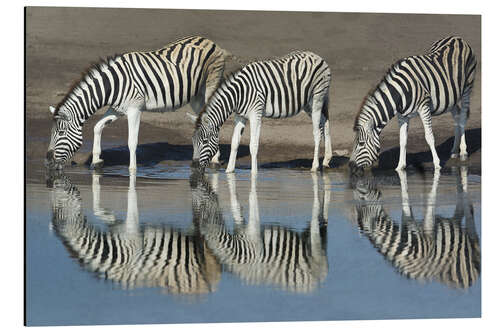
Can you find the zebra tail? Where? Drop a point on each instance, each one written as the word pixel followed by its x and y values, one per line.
pixel 324 108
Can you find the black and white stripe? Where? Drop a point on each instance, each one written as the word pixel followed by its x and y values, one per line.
pixel 437 249
pixel 425 85
pixel 138 256
pixel 271 255
pixel 186 71
pixel 276 88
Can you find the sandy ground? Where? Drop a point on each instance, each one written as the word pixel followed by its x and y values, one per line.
pixel 61 42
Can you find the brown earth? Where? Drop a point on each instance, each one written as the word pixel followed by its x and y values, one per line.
pixel 61 42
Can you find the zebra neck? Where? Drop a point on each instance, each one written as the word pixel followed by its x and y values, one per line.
pixel 375 114
pixel 95 90
pixel 222 104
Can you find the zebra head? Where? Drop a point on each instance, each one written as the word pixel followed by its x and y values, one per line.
pixel 366 146
pixel 205 142
pixel 65 139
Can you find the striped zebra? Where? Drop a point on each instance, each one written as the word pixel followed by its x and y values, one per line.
pixel 439 248
pixel 129 254
pixel 424 85
pixel 276 88
pixel 186 71
pixel 272 255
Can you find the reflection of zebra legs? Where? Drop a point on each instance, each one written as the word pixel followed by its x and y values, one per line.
pixel 132 219
pixel 464 206
pixel 319 216
pixel 103 214
pixel 274 255
pixel 429 217
pixel 252 229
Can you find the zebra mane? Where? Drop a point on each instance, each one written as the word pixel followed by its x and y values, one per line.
pixel 368 97
pixel 91 72
pixel 360 110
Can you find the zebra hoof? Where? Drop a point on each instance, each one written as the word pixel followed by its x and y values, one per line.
pixel 464 157
pixel 326 163
pixel 96 166
pixel 454 155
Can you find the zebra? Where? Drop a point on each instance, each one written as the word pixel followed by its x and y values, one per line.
pixel 127 253
pixel 276 256
pixel 277 88
pixel 439 248
pixel 186 71
pixel 425 85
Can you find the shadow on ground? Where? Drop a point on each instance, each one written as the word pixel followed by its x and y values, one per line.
pixel 304 163
pixel 389 158
pixel 151 154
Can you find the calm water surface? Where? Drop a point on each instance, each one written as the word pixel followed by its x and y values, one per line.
pixel 167 246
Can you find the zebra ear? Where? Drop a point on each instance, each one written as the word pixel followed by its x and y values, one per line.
pixel 191 117
pixel 52 109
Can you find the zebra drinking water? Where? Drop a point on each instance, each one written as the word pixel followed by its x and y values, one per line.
pixel 276 88
pixel 424 85
pixel 186 71
pixel 438 248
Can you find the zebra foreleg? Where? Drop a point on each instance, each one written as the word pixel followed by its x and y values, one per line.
pixel 109 117
pixel 425 116
pixel 239 127
pixel 134 120
pixel 403 139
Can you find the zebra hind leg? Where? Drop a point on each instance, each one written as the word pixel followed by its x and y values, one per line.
pixel 328 144
pixel 464 114
pixel 455 113
pixel 255 123
pixel 316 123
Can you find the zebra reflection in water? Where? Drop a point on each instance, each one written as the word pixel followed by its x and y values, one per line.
pixel 438 248
pixel 271 255
pixel 128 253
